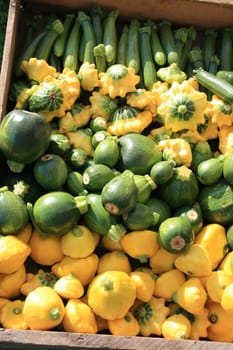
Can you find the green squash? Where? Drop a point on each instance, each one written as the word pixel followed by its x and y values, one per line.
pixel 24 137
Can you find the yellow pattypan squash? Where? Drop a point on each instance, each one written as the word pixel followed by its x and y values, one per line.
pixel 118 80
pixel 111 294
pixel 13 253
pixel 3 301
pixel 10 283
pixel 42 244
pixel 140 245
pixel 144 284
pixel 79 317
pixel 37 69
pixel 108 244
pixel 25 234
pixel 216 283
pixel 81 138
pixel 83 268
pixel 114 261
pixel 11 315
pixel 220 329
pixel 191 296
pixel 182 107
pixel 195 262
pixel 43 309
pixel 38 279
pixel 139 98
pixel 221 112
pixel 213 238
pixel 167 283
pixel 78 243
pixel 151 316
pixel 200 326
pixel 176 326
pixel 81 115
pixel 102 105
pixel 125 326
pixel 227 299
pixel 162 261
pixel 69 286
pixel 88 76
pixel 225 136
pixel 178 150
pixel 226 264
pixel 123 125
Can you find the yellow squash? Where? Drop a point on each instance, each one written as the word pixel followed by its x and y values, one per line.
pixel 111 294
pixel 43 309
pixel 125 326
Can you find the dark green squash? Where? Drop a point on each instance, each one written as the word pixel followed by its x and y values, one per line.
pixel 24 137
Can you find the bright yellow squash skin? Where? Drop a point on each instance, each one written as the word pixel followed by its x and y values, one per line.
pixel 10 283
pixel 125 326
pixel 11 315
pixel 13 253
pixel 79 317
pixel 176 326
pixel 43 309
pixel 111 294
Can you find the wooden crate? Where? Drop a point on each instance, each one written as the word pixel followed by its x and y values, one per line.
pixel 201 13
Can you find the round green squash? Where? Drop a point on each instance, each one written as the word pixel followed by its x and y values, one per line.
pixel 13 212
pixel 24 137
pixel 216 202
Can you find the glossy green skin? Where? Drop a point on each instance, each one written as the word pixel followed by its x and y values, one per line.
pixel 179 191
pixel 51 172
pixel 210 171
pixel 227 168
pixel 55 213
pixel 96 176
pixel 138 153
pixel 175 235
pixel 193 214
pixel 107 152
pixel 13 212
pixel 119 195
pixel 216 202
pixel 24 136
pixel 97 218
pixel 139 218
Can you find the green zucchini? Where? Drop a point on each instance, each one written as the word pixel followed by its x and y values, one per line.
pixel 74 184
pixel 45 45
pixel 145 185
pixel 168 42
pixel 101 221
pixel 122 45
pixel 70 55
pixel 214 84
pixel 60 42
pixel 97 14
pixel 132 48
pixel 119 195
pixel 100 61
pixel 226 49
pixel 183 59
pixel 110 36
pixel 208 45
pixel 88 35
pixel 147 62
pixel 162 171
pixel 227 168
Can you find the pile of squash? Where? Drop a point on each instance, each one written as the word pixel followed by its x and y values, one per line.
pixel 116 201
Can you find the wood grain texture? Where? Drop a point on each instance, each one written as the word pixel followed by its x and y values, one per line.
pixel 45 340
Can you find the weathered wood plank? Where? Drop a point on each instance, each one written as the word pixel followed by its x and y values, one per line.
pixel 41 340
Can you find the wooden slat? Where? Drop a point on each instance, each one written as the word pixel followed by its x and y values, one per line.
pixel 45 340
